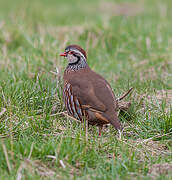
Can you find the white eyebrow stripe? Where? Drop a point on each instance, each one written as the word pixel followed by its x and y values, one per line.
pixel 79 52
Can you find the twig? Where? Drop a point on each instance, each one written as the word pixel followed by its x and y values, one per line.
pixel 122 97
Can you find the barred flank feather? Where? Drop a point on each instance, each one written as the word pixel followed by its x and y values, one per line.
pixel 72 103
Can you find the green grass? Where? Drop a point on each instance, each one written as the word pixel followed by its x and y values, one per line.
pixel 131 50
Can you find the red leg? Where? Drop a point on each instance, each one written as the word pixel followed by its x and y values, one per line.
pixel 100 130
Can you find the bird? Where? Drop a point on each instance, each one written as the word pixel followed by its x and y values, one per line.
pixel 86 94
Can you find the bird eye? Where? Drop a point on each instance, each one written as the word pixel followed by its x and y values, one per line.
pixel 70 52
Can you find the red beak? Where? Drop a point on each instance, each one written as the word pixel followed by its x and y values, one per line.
pixel 63 54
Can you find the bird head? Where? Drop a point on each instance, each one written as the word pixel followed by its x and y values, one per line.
pixel 74 54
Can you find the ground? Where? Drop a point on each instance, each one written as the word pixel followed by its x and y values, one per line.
pixel 127 42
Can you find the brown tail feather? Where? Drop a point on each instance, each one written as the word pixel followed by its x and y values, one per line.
pixel 114 120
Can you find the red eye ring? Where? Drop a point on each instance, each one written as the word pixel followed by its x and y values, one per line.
pixel 70 52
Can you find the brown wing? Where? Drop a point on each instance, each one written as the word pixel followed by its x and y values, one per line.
pixel 85 92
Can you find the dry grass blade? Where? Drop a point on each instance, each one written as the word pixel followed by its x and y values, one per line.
pixel 55 73
pixel 157 136
pixel 51 157
pixel 3 111
pixel 19 171
pixel 65 114
pixel 57 114
pixel 62 164
pixel 31 149
pixel 6 156
pixel 86 130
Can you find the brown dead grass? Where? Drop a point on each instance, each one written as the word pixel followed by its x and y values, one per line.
pixel 149 148
pixel 163 95
pixel 140 63
pixel 61 33
pixel 34 167
pixel 154 99
pixel 148 74
pixel 160 169
pixel 146 148
pixel 152 73
pixel 154 147
pixel 53 30
pixel 125 9
pixel 159 97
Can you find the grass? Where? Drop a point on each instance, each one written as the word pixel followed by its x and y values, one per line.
pixel 129 43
